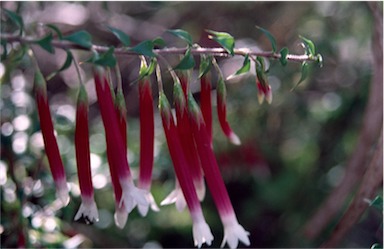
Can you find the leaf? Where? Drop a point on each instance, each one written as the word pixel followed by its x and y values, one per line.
pixel 56 29
pixel 158 42
pixel 144 48
pixel 244 69
pixel 46 43
pixel 304 73
pixel 5 50
pixel 283 56
pixel 187 62
pixel 205 65
pixel 377 203
pixel 147 70
pixel 81 38
pixel 309 46
pixel 123 37
pixel 106 59
pixel 67 63
pixel 224 39
pixel 319 60
pixel 16 19
pixel 269 36
pixel 182 34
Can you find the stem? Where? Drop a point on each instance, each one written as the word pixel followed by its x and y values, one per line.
pixel 219 52
pixel 77 70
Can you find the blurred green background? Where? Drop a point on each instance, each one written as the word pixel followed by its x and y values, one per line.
pixel 293 151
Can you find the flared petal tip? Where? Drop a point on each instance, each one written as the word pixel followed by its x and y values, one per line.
pixel 143 209
pixel 132 196
pixel 202 234
pixel 233 233
pixel 200 190
pixel 177 197
pixel 62 194
pixel 234 139
pixel 121 217
pixel 88 211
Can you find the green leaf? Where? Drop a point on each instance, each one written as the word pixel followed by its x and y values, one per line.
pixel 244 69
pixel 81 38
pixel 123 37
pixel 56 29
pixel 224 39
pixel 144 48
pixel 270 37
pixel 106 59
pixel 309 46
pixel 5 51
pixel 377 203
pixel 158 42
pixel 66 65
pixel 376 246
pixel 319 60
pixel 304 73
pixel 46 43
pixel 147 70
pixel 16 19
pixel 205 65
pixel 187 62
pixel 182 34
pixel 283 56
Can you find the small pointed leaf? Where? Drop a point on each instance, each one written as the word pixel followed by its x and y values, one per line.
pixel 106 59
pixel 123 37
pixel 304 73
pixel 224 39
pixel 182 34
pixel 46 43
pixel 377 203
pixel 283 53
pixel 67 63
pixel 269 36
pixel 81 38
pixel 144 48
pixel 205 65
pixel 56 29
pixel 187 62
pixel 16 19
pixel 309 46
pixel 158 42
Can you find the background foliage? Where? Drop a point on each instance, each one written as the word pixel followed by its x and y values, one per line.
pixel 293 154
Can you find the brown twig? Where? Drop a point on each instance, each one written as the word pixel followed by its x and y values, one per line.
pixel 370 184
pixel 370 130
pixel 219 52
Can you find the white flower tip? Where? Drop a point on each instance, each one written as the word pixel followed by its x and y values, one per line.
pixel 177 197
pixel 133 196
pixel 234 139
pixel 268 97
pixel 62 194
pixel 233 233
pixel 260 97
pixel 88 211
pixel 120 216
pixel 200 189
pixel 201 234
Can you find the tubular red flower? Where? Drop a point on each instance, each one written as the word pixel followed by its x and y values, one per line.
pixel 232 230
pixel 264 91
pixel 131 196
pixel 201 231
pixel 88 207
pixel 50 143
pixel 147 136
pixel 205 102
pixel 222 113
pixel 186 139
pixel 121 111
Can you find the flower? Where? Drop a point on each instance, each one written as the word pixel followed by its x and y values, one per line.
pixel 264 91
pixel 205 102
pixel 177 197
pixel 88 207
pixel 50 143
pixel 131 196
pixel 201 231
pixel 147 136
pixel 186 138
pixel 232 229
pixel 222 113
